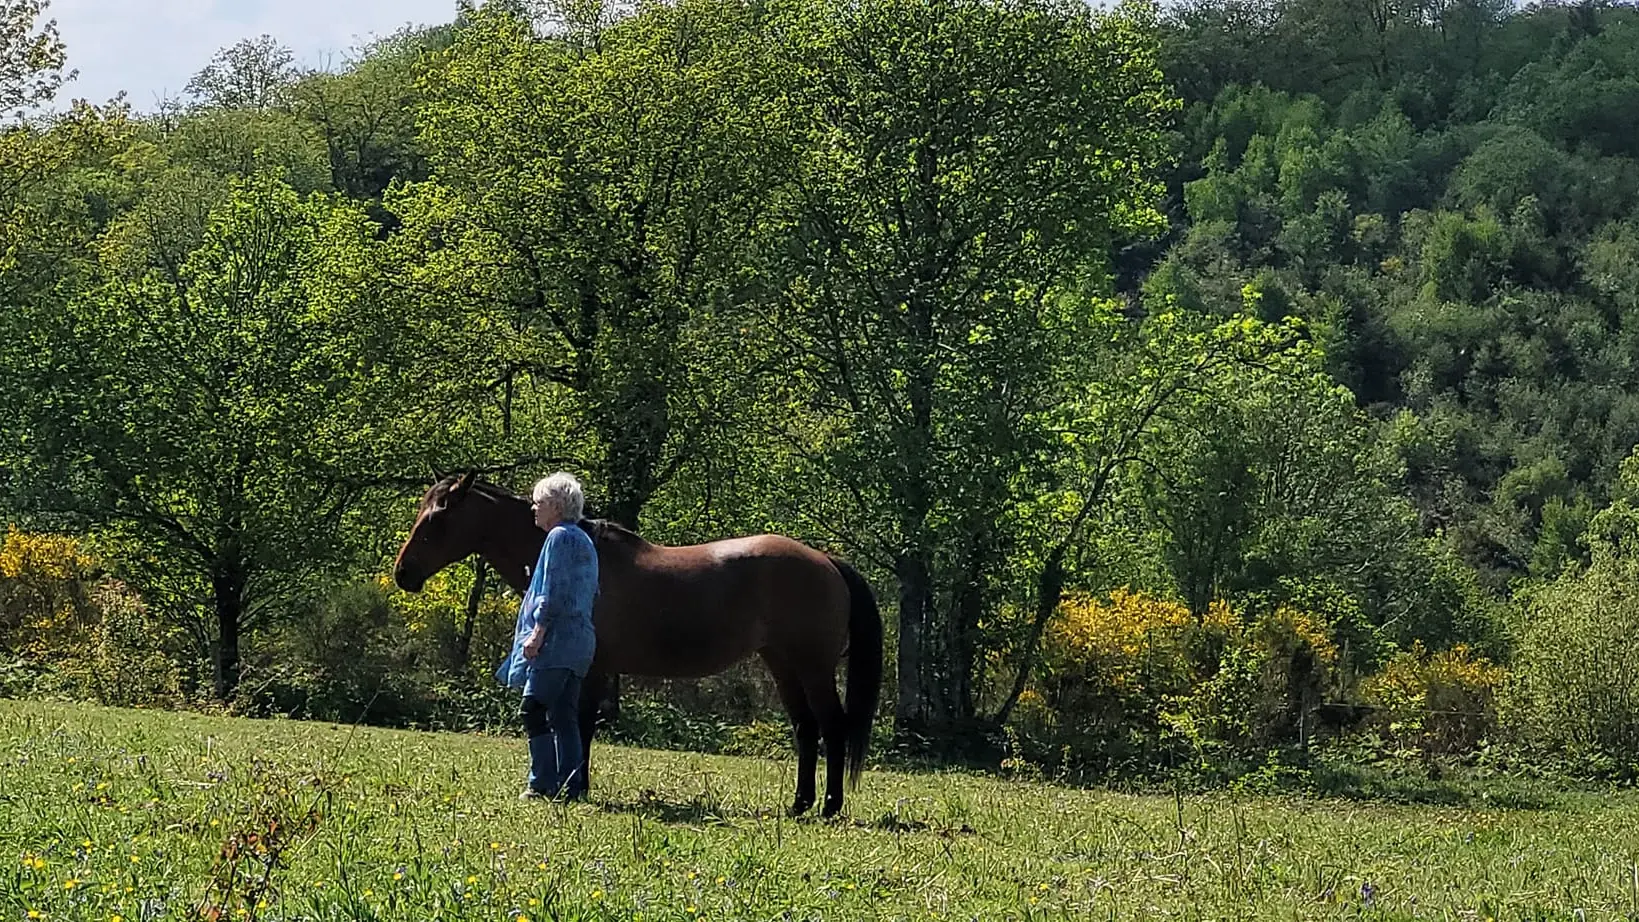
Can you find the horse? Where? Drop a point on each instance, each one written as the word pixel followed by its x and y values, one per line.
pixel 691 611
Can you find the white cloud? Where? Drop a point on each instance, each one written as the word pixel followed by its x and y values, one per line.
pixel 150 48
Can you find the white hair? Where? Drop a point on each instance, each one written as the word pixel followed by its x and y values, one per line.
pixel 564 491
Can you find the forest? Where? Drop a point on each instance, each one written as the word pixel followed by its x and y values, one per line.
pixel 1203 388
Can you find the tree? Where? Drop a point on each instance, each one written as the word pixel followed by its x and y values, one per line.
pixel 217 400
pixel 31 55
pixel 1129 383
pixel 960 159
pixel 254 73
pixel 366 113
pixel 593 213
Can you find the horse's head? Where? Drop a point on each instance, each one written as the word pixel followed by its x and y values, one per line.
pixel 447 528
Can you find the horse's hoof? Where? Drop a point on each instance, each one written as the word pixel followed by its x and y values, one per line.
pixel 799 807
pixel 831 808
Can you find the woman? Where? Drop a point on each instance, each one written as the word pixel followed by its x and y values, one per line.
pixel 554 640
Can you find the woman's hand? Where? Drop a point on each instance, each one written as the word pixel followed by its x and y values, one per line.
pixel 532 644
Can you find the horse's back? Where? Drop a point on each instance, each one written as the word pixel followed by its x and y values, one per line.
pixel 696 609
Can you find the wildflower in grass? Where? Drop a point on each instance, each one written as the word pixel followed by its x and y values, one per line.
pixel 116 918
pixel 399 873
pixel 71 883
pixel 36 914
pixel 597 895
pixel 691 910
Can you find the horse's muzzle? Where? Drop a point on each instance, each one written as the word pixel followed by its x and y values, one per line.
pixel 408 579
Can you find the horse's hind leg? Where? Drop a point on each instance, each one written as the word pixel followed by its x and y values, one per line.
pixel 806 729
pixel 827 707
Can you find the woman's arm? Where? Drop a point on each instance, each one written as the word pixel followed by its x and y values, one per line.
pixel 537 635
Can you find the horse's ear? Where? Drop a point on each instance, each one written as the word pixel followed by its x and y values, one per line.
pixel 464 484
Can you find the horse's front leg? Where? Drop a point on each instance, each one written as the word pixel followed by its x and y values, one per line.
pixel 591 700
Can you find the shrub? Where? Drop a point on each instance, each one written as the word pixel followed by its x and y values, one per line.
pixel 1435 704
pixel 82 635
pixel 1576 664
pixel 1132 677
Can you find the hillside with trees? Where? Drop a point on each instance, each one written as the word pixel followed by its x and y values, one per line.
pixel 1196 385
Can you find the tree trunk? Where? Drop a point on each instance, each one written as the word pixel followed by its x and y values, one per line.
pixel 228 587
pixel 910 708
pixel 961 631
pixel 1049 590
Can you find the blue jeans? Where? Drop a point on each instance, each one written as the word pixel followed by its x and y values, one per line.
pixel 551 715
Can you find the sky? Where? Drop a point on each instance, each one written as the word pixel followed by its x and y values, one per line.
pixel 150 48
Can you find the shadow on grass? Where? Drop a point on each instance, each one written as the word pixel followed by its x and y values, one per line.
pixel 1372 784
pixel 703 811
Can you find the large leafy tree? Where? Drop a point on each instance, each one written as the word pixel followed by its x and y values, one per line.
pixel 217 398
pixel 960 160
pixel 590 229
pixel 32 55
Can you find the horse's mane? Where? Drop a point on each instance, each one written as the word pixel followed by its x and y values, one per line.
pixel 608 530
pixel 598 529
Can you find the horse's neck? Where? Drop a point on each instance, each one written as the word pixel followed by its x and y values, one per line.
pixel 512 546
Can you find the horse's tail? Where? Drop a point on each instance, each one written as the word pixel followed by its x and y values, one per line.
pixel 864 681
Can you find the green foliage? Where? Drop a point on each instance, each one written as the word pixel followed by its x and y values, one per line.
pixel 32 55
pixel 216 399
pixel 1575 661
pixel 954 288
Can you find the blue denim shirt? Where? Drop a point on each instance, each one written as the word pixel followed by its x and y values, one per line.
pixel 561 593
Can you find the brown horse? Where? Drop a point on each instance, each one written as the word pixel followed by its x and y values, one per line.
pixel 689 612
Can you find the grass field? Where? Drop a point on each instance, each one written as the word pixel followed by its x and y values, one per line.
pixel 130 815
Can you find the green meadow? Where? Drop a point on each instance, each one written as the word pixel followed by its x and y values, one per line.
pixel 134 815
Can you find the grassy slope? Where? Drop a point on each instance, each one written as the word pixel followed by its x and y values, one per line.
pixel 108 813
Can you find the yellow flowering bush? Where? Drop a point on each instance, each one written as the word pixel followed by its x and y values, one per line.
pixel 91 635
pixel 44 609
pixel 1442 702
pixel 1131 663
pixel 1105 659
pixel 435 617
